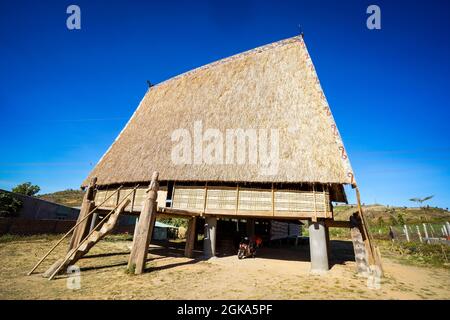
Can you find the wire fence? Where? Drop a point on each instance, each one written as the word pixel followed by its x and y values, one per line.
pixel 423 232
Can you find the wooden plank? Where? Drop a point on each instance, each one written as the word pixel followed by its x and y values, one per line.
pixel 86 207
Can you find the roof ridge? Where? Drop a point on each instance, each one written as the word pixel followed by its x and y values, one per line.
pixel 234 57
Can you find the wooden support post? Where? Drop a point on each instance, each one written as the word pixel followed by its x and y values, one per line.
pixel 327 238
pixel 273 201
pixel 86 207
pixel 314 218
pixel 190 238
pixel 250 228
pixel 93 221
pixel 136 226
pixel 143 236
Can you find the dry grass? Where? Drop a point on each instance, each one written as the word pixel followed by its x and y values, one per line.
pixel 174 277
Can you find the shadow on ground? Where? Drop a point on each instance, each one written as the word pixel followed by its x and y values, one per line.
pixel 340 252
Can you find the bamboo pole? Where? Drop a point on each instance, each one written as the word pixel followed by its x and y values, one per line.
pixel 273 201
pixel 81 242
pixel 68 232
pixel 314 218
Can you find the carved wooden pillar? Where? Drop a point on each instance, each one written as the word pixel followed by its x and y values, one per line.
pixel 144 230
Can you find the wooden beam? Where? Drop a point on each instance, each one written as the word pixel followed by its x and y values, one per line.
pixel 314 217
pixel 337 224
pixel 86 207
pixel 365 233
pixel 143 236
pixel 164 211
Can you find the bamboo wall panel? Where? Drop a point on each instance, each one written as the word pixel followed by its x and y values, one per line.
pixel 255 200
pixel 188 198
pixel 223 201
pixel 301 201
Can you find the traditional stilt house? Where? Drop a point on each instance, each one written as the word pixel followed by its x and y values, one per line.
pixel 247 137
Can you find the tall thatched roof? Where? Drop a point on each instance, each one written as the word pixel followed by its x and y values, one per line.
pixel 270 87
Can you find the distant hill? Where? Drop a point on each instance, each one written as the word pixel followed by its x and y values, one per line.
pixel 377 214
pixel 70 197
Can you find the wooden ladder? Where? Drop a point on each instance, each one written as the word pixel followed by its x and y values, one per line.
pixel 93 238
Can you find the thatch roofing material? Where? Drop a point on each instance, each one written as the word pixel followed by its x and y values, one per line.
pixel 271 87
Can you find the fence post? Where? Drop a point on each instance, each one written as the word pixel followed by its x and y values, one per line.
pixel 447 228
pixel 405 229
pixel 431 230
pixel 426 232
pixel 418 232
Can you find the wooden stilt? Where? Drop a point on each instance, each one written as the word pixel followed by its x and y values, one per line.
pixel 190 237
pixel 250 228
pixel 93 221
pixel 143 235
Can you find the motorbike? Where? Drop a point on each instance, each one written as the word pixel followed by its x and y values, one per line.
pixel 246 249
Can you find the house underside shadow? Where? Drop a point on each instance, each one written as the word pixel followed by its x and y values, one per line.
pixel 341 251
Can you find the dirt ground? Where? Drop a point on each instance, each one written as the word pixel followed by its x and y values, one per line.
pixel 276 273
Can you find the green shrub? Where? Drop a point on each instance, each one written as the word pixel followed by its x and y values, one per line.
pixel 420 253
pixel 9 205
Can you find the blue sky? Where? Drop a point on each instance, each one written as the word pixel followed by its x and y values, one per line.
pixel 65 95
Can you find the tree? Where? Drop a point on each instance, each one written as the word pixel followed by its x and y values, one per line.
pixel 9 206
pixel 400 219
pixel 27 189
pixel 393 220
pixel 421 200
pixel 380 222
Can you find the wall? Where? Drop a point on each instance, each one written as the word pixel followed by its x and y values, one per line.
pixel 38 209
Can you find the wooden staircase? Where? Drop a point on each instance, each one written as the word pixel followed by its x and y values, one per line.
pixel 86 244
